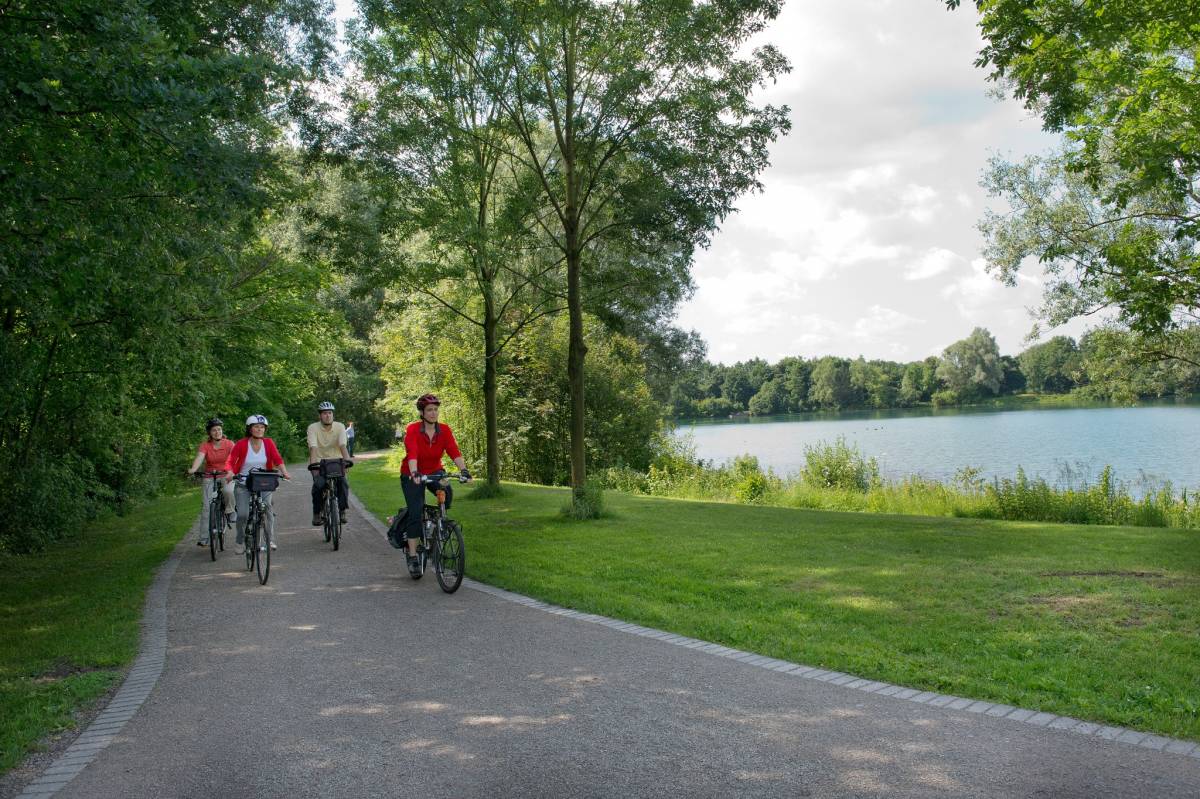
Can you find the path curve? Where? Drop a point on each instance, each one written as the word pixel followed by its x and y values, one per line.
pixel 343 677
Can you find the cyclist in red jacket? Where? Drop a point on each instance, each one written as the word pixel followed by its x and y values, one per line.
pixel 425 443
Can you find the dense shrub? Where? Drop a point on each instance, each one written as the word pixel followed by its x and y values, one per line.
pixel 588 502
pixel 839 465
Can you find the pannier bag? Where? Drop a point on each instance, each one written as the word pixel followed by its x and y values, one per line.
pixel 395 533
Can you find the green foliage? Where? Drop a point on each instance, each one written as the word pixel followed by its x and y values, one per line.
pixel 971 367
pixel 1104 502
pixel 839 466
pixel 1113 217
pixel 751 484
pixel 831 387
pixel 422 351
pixel 1052 366
pixel 139 281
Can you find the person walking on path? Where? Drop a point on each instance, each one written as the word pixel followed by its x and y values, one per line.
pixel 350 438
pixel 425 443
pixel 214 454
pixel 255 451
pixel 327 439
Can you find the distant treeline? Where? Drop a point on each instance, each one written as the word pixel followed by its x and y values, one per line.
pixel 1104 364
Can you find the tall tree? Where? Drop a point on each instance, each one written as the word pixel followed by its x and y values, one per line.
pixel 636 118
pixel 971 367
pixel 1051 366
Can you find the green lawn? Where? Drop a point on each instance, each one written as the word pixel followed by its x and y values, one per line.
pixel 70 618
pixel 1100 623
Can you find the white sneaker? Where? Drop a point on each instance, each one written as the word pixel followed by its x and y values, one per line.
pixel 274 546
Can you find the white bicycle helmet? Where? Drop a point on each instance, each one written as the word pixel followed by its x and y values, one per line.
pixel 325 406
pixel 256 418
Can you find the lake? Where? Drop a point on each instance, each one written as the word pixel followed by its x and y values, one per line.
pixel 1146 444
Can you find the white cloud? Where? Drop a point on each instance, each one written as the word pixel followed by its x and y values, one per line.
pixel 972 292
pixel 934 262
pixel 920 203
pixel 864 240
pixel 881 322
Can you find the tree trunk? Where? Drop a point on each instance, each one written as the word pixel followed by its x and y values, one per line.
pixel 489 393
pixel 575 354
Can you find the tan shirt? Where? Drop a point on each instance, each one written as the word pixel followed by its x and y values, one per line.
pixel 327 443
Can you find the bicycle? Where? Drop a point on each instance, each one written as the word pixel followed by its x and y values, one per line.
pixel 332 469
pixel 216 515
pixel 258 549
pixel 442 537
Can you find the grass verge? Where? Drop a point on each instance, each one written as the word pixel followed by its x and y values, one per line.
pixel 1099 623
pixel 70 618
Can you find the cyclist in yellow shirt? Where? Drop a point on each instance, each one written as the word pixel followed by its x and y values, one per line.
pixel 327 439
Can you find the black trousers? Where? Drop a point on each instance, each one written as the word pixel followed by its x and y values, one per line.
pixel 341 488
pixel 414 501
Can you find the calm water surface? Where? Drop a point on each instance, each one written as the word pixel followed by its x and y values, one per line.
pixel 1146 445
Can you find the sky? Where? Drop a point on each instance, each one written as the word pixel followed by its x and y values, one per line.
pixel 864 240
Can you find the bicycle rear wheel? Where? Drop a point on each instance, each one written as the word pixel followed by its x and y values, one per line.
pixel 262 555
pixel 216 523
pixel 328 503
pixel 450 557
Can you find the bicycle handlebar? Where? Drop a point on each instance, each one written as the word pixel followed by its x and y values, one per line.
pixel 442 474
pixel 241 478
pixel 317 465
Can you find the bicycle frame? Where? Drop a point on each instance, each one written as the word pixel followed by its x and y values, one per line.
pixel 329 497
pixel 258 553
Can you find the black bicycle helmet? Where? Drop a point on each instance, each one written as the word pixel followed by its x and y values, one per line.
pixel 211 423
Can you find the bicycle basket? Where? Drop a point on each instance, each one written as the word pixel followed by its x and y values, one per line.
pixel 332 467
pixel 262 482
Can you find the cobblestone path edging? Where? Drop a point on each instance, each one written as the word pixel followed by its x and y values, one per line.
pixel 133 692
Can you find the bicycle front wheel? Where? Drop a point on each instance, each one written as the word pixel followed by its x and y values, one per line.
pixel 216 522
pixel 262 556
pixel 450 557
pixel 250 540
pixel 335 525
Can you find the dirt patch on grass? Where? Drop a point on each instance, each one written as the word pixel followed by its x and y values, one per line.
pixel 1138 575
pixel 1065 604
pixel 64 669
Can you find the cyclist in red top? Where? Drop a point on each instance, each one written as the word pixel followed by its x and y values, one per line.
pixel 425 443
pixel 214 456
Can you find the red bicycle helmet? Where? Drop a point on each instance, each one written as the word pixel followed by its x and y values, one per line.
pixel 428 399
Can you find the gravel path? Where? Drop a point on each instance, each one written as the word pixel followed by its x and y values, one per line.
pixel 342 677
